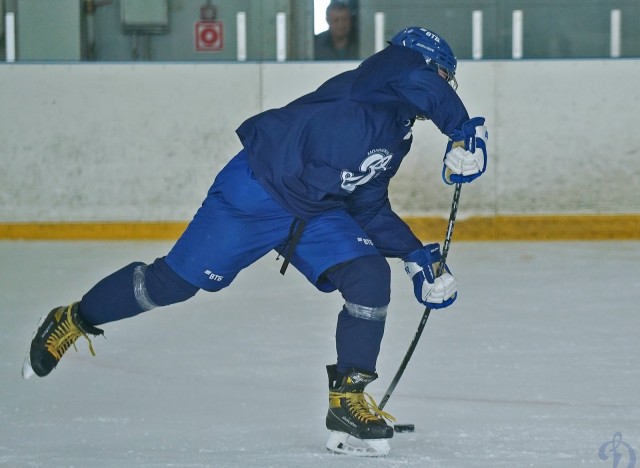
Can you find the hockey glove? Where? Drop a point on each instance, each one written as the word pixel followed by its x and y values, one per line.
pixel 466 156
pixel 421 266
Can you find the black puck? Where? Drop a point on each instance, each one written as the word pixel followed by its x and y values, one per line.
pixel 404 427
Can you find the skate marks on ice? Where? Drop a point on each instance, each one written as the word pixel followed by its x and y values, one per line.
pixel 508 377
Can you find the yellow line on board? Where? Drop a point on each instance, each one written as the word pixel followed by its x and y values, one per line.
pixel 531 228
pixel 93 231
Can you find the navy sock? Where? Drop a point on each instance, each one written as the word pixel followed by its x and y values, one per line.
pixel 364 282
pixel 132 290
pixel 112 298
pixel 358 342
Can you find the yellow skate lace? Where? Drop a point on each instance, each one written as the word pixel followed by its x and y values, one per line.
pixel 362 406
pixel 65 334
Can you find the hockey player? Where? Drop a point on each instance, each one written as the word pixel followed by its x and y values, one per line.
pixel 311 183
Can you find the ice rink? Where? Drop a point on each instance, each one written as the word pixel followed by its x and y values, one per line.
pixel 535 365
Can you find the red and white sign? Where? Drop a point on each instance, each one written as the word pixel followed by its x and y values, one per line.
pixel 209 36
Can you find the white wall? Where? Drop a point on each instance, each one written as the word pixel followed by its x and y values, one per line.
pixel 95 142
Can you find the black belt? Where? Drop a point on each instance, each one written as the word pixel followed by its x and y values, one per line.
pixel 295 233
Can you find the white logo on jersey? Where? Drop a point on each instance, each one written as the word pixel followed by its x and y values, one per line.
pixel 213 276
pixel 376 161
pixel 365 241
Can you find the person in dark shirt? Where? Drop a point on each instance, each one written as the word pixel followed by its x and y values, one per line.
pixel 311 183
pixel 339 42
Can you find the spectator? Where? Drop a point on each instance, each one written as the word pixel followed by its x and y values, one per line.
pixel 339 41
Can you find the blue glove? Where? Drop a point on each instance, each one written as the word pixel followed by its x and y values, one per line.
pixel 466 156
pixel 421 266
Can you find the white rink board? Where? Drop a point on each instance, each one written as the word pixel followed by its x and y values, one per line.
pixel 102 142
pixel 569 139
pixel 117 142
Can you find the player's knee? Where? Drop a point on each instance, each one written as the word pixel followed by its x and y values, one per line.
pixel 365 285
pixel 158 285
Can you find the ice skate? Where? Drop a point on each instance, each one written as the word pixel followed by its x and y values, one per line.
pixel 357 425
pixel 56 333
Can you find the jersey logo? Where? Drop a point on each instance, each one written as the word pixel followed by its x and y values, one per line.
pixel 213 276
pixel 376 161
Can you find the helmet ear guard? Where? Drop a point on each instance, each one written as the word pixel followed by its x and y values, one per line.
pixel 437 53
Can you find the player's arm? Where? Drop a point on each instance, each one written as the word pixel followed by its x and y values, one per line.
pixel 465 158
pixel 466 155
pixel 370 207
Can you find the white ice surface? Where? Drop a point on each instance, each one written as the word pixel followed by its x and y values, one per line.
pixel 536 364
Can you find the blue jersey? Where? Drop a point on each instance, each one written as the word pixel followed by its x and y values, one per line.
pixel 338 147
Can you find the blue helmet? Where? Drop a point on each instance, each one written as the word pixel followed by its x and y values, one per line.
pixel 435 49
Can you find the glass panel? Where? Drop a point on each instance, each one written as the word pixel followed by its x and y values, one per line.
pixel 228 30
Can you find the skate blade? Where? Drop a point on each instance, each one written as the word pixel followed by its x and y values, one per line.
pixel 27 370
pixel 343 443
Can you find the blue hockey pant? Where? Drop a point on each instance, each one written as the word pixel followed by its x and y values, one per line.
pixel 237 224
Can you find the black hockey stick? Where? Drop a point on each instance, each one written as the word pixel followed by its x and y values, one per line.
pixel 427 311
